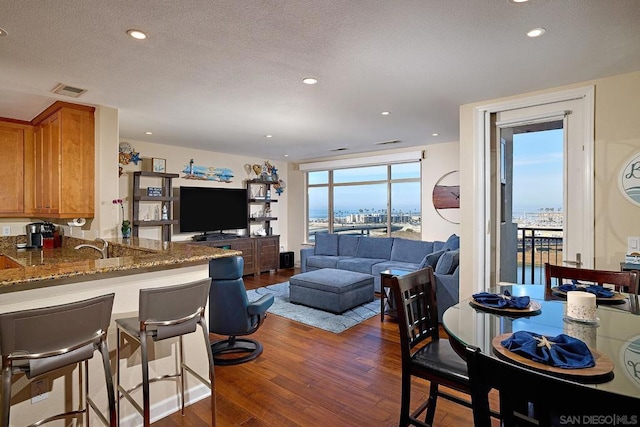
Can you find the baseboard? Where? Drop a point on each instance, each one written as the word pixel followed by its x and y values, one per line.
pixel 166 407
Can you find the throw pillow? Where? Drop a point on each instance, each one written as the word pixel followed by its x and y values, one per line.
pixel 430 260
pixel 448 262
pixel 374 247
pixel 452 243
pixel 326 244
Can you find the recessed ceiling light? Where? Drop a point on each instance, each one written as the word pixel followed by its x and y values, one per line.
pixel 518 1
pixel 309 80
pixel 536 32
pixel 385 113
pixel 435 134
pixel 268 136
pixel 3 32
pixel 148 133
pixel 137 34
pixel 286 155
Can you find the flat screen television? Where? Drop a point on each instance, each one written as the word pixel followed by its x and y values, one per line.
pixel 208 210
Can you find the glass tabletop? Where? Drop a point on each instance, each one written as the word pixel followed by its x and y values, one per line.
pixel 616 334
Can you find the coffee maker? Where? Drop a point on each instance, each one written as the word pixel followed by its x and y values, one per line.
pixel 34 235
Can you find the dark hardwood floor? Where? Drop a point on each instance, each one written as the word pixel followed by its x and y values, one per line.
pixel 310 377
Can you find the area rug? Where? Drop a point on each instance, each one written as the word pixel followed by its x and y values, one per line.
pixel 335 323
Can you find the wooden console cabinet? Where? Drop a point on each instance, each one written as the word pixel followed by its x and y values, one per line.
pixel 260 253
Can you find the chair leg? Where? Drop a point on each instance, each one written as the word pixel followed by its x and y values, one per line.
pixel 117 390
pixel 106 363
pixel 86 390
pixel 431 406
pixel 405 400
pixel 146 414
pixel 181 350
pixel 6 394
pixel 212 375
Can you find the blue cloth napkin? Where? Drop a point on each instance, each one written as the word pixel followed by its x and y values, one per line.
pixel 599 291
pixel 501 301
pixel 561 351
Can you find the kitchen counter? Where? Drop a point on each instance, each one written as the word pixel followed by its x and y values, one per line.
pixel 48 267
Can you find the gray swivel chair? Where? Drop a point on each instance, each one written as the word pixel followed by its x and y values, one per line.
pixel 37 341
pixel 231 313
pixel 166 312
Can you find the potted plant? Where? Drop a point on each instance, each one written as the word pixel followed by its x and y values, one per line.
pixel 126 224
pixel 126 229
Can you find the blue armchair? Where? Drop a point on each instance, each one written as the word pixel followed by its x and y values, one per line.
pixel 231 313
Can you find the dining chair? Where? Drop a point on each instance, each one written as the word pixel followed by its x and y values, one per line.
pixel 37 341
pixel 435 360
pixel 622 281
pixel 553 401
pixel 166 312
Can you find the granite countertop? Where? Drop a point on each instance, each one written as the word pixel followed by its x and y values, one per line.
pixel 42 267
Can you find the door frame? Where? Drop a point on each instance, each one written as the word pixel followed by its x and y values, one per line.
pixel 485 129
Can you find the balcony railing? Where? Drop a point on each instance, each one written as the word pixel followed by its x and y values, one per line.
pixel 536 246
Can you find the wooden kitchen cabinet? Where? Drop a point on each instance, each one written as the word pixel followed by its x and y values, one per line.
pixel 64 161
pixel 16 173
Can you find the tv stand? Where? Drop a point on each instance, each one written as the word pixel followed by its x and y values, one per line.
pixel 260 253
pixel 213 236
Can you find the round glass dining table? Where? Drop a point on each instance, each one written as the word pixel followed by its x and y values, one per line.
pixel 616 334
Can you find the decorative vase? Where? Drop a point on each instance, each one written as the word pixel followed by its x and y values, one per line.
pixel 126 230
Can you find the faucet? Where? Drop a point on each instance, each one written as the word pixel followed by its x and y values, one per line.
pixel 103 251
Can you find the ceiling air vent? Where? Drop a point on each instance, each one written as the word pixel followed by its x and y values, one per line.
pixel 393 141
pixel 339 149
pixel 63 89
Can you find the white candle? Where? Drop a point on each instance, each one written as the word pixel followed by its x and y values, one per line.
pixel 581 305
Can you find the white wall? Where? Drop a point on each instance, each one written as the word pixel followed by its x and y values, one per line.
pixel 439 160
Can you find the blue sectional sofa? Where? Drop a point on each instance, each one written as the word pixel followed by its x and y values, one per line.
pixel 372 255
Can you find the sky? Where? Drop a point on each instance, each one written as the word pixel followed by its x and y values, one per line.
pixel 537 170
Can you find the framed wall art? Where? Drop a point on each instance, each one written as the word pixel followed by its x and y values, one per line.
pixel 446 197
pixel 158 165
pixel 629 181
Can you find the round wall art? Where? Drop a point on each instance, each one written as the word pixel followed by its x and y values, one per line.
pixel 446 197
pixel 629 180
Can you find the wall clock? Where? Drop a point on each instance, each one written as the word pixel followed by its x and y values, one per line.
pixel 629 180
pixel 446 197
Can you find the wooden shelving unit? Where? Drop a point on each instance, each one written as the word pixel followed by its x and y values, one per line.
pixel 166 198
pixel 264 200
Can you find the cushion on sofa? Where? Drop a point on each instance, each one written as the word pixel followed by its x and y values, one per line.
pixel 323 261
pixel 437 245
pixel 406 250
pixel 326 244
pixel 347 244
pixel 448 262
pixel 375 247
pixel 360 265
pixel 452 243
pixel 431 260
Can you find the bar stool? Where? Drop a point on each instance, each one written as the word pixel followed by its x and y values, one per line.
pixel 166 312
pixel 37 341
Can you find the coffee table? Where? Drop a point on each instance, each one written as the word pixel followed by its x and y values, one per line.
pixel 385 283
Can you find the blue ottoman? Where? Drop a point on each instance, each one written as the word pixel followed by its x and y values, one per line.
pixel 331 290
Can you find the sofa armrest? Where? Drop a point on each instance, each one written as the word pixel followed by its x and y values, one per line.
pixel 304 253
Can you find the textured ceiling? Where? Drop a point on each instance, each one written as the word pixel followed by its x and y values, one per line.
pixel 219 75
